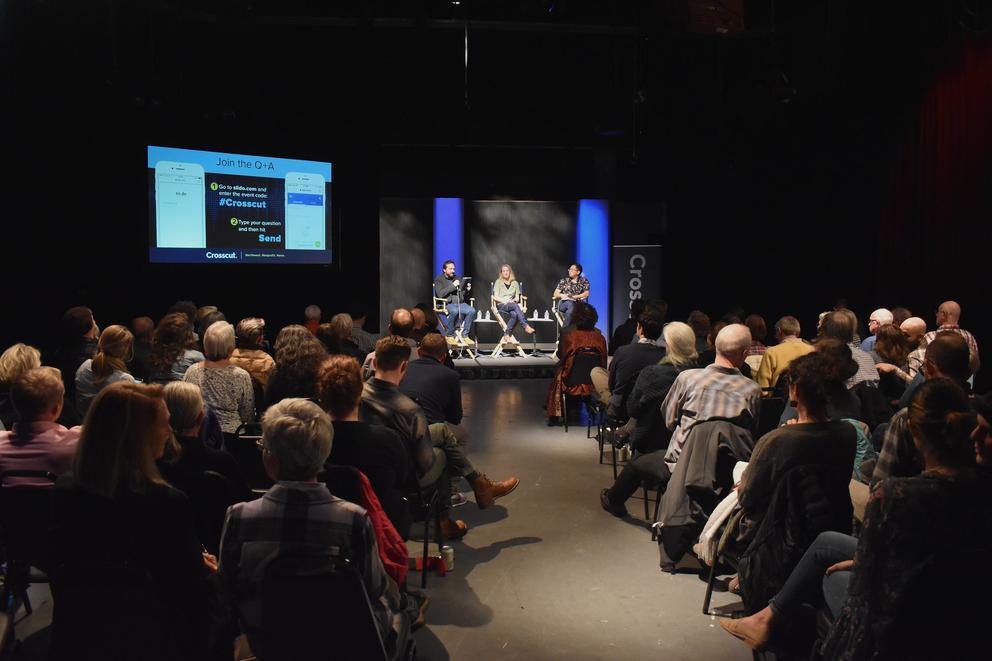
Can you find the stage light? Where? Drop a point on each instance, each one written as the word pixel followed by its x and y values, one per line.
pixel 592 249
pixel 448 231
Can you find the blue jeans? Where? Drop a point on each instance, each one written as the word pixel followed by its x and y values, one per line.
pixel 565 310
pixel 516 315
pixel 463 311
pixel 808 581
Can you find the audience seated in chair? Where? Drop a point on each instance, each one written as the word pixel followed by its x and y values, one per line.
pixel 115 513
pixel 585 336
pixel 298 358
pixel 37 442
pixel 948 319
pixel 842 325
pixel 362 338
pixel 299 515
pixel 905 588
pixel 377 451
pixel 775 360
pixel 336 337
pixel 139 365
pixel 400 325
pixel 15 361
pixel 78 333
pixel 249 354
pixel 312 315
pixel 226 388
pixel 172 352
pixel 626 332
pixel 614 387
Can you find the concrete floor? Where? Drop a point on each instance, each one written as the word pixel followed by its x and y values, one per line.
pixel 546 573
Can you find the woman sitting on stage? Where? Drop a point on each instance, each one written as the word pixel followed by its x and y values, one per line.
pixel 506 292
pixel 585 336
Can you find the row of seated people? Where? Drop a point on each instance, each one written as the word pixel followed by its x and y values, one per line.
pixel 403 444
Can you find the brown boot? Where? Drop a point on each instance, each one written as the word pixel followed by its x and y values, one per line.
pixel 486 492
pixel 451 529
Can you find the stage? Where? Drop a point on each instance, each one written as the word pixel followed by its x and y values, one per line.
pixel 507 367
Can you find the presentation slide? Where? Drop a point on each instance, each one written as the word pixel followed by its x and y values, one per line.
pixel 220 207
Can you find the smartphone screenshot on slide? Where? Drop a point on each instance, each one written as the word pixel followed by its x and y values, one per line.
pixel 180 210
pixel 304 211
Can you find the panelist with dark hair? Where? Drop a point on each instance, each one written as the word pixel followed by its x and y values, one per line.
pixel 449 287
pixel 569 290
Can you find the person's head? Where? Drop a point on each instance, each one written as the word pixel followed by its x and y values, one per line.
pixel 659 306
pixel 218 341
pixel 839 353
pixel 734 316
pixel 649 324
pixel 17 360
pixel 891 345
pixel 341 323
pixel 37 395
pixel 506 272
pixel 392 353
pixel 680 343
pixel 913 328
pixel 636 308
pixel 312 313
pixel 814 379
pixel 340 385
pixel 201 315
pixel 434 346
pixel 941 423
pixel 900 315
pixel 208 320
pixel 584 316
pixel 115 348
pixel 877 319
pixel 401 322
pixel 574 270
pixel 251 332
pixel 185 403
pixel 732 343
pixel 947 357
pixel 714 331
pixel 142 328
pixel 949 312
pixel 187 308
pixel 981 436
pixel 419 318
pixel 296 347
pixel 699 322
pixel 448 268
pixel 838 325
pixel 173 336
pixel 756 324
pixel 787 326
pixel 78 325
pixel 125 430
pixel 296 440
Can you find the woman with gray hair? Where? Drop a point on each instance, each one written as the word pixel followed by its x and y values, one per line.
pixel 649 437
pixel 226 388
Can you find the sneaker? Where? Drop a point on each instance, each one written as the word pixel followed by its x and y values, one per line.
pixel 458 498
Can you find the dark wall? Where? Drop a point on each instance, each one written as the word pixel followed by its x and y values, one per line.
pixel 406 240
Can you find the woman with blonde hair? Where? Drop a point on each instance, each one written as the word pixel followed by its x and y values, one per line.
pixel 506 293
pixel 109 365
pixel 17 360
pixel 116 513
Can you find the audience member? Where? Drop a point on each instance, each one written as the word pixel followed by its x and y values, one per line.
pixel 364 339
pixel 248 353
pixel 143 329
pixel 109 365
pixel 187 308
pixel 375 450
pixel 878 319
pixel 948 316
pixel 776 359
pixel 585 336
pixel 298 358
pixel 226 388
pixel 900 315
pixel 947 357
pixel 699 321
pixel 419 324
pixel 614 387
pixel 171 349
pixel 115 513
pixel 299 516
pixel 336 337
pixel 914 329
pixel 37 441
pixel 400 325
pixel 708 354
pixel 659 308
pixel 626 332
pixel 437 389
pixel 840 325
pixel 649 438
pixel 78 335
pixel 312 314
pixel 15 361
pixel 759 331
pixel 891 348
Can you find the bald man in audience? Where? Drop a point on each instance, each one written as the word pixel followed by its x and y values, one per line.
pixel 401 323
pixel 913 329
pixel 948 316
pixel 776 359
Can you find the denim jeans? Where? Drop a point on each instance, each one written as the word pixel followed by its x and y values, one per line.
pixel 565 310
pixel 462 311
pixel 516 315
pixel 808 584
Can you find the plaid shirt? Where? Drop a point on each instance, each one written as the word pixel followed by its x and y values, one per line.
pixel 973 360
pixel 295 516
pixel 866 367
pixel 709 393
pixel 899 456
pixel 573 289
pixel 756 349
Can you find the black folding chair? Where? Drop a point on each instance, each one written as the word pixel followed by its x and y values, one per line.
pixel 245 450
pixel 584 359
pixel 426 506
pixel 25 517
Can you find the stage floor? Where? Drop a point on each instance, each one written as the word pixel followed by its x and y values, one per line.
pixel 506 367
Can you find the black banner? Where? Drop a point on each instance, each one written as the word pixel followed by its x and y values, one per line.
pixel 636 274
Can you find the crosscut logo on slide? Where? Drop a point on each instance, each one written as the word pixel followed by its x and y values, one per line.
pixel 222 255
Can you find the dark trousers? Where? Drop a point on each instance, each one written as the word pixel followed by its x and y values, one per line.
pixel 808 584
pixel 647 466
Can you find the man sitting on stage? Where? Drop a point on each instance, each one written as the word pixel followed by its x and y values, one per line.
pixel 573 288
pixel 449 287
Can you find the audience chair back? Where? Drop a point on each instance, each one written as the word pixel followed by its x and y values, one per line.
pixel 210 495
pixel 246 452
pixel 25 518
pixel 582 362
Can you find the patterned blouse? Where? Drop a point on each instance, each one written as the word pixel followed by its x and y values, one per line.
pixel 573 289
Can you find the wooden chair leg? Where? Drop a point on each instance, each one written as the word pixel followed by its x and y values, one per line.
pixel 709 587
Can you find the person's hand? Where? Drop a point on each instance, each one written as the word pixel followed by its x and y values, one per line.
pixel 887 368
pixel 843 565
pixel 792 421
pixel 456 282
pixel 210 561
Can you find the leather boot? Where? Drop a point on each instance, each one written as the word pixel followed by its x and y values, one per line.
pixel 486 492
pixel 451 529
